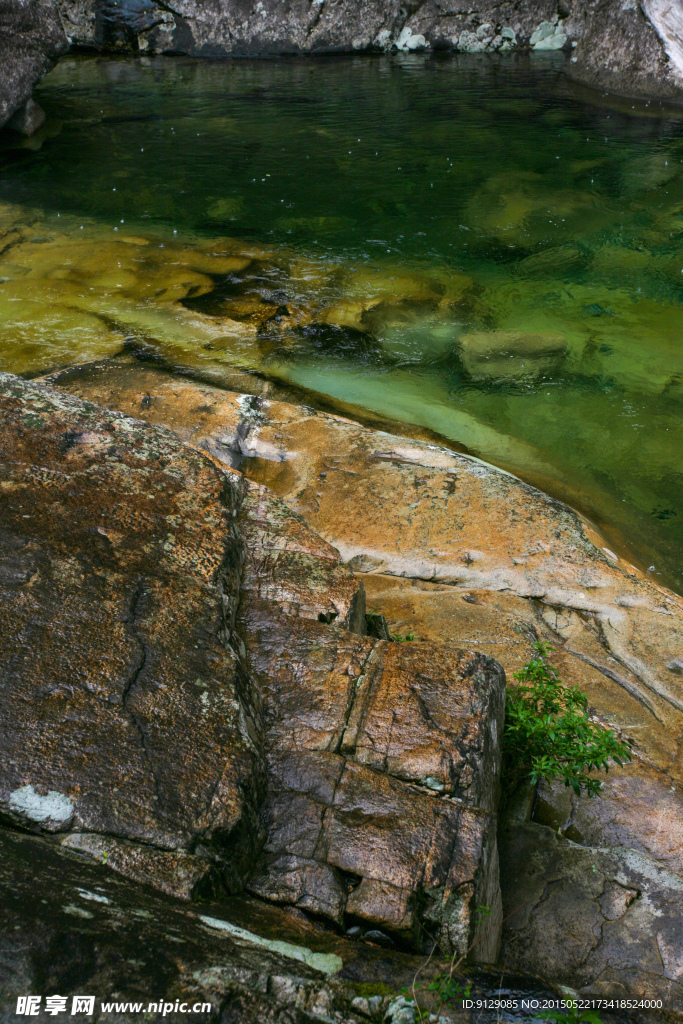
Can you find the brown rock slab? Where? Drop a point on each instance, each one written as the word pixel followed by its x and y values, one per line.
pixel 127 710
pixel 384 769
pixel 456 551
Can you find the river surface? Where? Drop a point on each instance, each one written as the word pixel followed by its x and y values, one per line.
pixel 464 244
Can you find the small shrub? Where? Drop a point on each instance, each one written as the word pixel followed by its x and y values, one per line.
pixel 548 734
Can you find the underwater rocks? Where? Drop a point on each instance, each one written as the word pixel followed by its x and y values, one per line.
pixel 31 40
pixel 506 354
pixel 188 697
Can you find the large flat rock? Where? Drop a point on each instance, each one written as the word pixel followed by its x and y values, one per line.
pixel 455 551
pixel 128 714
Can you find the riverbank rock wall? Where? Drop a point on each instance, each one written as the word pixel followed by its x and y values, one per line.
pixel 31 40
pixel 623 46
pixel 626 47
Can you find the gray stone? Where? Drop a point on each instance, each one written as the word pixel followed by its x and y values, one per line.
pixel 620 49
pixel 70 927
pixel 27 119
pixel 31 39
pixel 606 922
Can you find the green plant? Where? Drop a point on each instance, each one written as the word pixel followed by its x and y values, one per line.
pixel 442 989
pixel 403 638
pixel 571 1016
pixel 548 734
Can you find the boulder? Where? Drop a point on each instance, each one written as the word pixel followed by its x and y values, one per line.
pixel 384 760
pixel 607 922
pixel 177 631
pixel 456 553
pixel 31 40
pixel 634 49
pixel 73 929
pixel 510 354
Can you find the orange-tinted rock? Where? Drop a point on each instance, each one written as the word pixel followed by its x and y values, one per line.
pixel 378 836
pixel 383 761
pixel 455 550
pixel 127 710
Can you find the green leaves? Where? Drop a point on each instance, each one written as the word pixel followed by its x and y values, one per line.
pixel 548 734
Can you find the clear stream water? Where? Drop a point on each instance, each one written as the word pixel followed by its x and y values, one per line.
pixel 463 243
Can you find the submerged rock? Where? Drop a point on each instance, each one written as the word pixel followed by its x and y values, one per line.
pixel 497 355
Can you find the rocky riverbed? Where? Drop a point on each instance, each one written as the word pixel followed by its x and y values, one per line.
pixel 254 653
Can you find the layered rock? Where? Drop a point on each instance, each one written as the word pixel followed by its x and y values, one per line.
pixel 384 763
pixel 141 705
pixel 31 40
pixel 454 552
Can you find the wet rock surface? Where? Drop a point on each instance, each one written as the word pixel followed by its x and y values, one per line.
pixel 31 40
pixel 71 928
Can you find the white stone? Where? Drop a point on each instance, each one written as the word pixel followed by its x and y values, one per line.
pixel 53 807
pixel 408 41
pixel 667 18
pixel 326 963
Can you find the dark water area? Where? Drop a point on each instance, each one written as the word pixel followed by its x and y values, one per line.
pixel 464 243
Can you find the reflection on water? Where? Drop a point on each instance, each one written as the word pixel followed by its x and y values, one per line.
pixel 459 243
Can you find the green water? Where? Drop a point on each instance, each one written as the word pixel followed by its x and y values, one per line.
pixel 460 243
